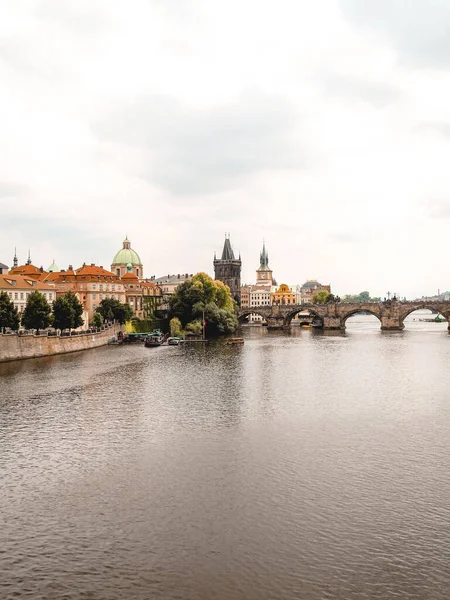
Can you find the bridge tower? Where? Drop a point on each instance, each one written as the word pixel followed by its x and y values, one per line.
pixel 228 270
pixel 264 275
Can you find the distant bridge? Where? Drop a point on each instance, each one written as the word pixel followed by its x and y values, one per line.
pixel 390 313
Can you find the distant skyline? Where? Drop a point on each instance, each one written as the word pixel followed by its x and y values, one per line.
pixel 321 127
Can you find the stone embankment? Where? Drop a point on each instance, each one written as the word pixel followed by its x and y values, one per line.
pixel 18 347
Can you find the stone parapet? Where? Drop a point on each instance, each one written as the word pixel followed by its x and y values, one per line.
pixel 16 347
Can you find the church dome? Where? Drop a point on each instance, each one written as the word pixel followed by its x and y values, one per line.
pixel 53 268
pixel 126 255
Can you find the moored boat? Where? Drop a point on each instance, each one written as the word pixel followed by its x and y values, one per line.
pixel 155 339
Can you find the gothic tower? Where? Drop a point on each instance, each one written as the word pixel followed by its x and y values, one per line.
pixel 264 275
pixel 228 270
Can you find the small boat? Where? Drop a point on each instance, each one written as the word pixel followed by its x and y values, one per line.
pixel 233 341
pixel 174 341
pixel 156 338
pixel 436 320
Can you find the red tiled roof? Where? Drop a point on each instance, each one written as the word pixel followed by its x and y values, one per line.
pixel 18 282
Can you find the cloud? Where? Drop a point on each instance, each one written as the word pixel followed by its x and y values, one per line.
pixel 377 93
pixel 191 151
pixel 435 126
pixel 438 208
pixel 12 190
pixel 83 16
pixel 419 29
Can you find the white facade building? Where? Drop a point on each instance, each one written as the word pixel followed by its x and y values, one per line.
pixel 19 288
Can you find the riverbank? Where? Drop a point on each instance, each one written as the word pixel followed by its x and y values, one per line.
pixel 16 347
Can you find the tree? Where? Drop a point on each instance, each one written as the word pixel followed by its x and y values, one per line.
pixel 9 317
pixel 175 326
pixel 67 311
pixel 320 297
pixel 112 309
pixel 97 320
pixel 123 313
pixel 37 313
pixel 77 308
pixel 361 297
pixel 62 313
pixel 202 295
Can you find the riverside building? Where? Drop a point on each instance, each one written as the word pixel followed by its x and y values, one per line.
pixel 19 287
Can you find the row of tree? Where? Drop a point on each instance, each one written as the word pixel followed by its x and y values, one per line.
pixel 324 297
pixel 66 312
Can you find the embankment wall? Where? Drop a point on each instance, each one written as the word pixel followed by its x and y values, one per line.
pixel 15 347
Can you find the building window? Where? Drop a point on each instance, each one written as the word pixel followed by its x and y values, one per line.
pixel 94 296
pixel 94 286
pixel 118 272
pixel 16 296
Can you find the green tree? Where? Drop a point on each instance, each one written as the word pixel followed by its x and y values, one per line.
pixel 123 313
pixel 361 297
pixel 202 295
pixel 175 326
pixel 37 313
pixel 111 309
pixel 97 320
pixel 320 297
pixel 77 308
pixel 9 317
pixel 67 311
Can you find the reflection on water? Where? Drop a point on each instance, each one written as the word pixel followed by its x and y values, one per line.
pixel 302 465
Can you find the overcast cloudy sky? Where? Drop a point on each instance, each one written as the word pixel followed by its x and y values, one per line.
pixel 323 127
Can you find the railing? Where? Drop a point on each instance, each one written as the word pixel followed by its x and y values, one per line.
pixel 53 333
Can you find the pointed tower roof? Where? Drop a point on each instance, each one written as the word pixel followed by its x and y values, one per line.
pixel 264 259
pixel 15 260
pixel 227 253
pixel 29 258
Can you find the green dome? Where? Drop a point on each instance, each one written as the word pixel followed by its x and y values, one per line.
pixel 53 268
pixel 126 255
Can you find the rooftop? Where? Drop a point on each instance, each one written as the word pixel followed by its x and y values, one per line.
pixel 18 282
pixel 173 278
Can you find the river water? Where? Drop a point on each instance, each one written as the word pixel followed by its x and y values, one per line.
pixel 297 466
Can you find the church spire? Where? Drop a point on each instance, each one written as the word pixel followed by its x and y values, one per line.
pixel 29 257
pixel 227 253
pixel 15 261
pixel 264 257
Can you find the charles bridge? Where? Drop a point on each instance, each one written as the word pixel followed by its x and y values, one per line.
pixel 333 315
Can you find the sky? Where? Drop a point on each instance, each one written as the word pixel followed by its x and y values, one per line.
pixel 321 127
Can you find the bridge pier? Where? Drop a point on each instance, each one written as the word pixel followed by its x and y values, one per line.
pixel 275 323
pixel 391 323
pixel 331 323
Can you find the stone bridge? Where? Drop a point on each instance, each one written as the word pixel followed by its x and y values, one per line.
pixel 391 313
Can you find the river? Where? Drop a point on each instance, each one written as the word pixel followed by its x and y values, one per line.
pixel 299 466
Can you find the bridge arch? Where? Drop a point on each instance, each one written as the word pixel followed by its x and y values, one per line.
pixel 423 306
pixel 300 309
pixel 243 313
pixel 356 311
